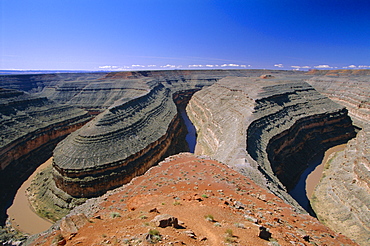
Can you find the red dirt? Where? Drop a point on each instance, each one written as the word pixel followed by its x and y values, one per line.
pixel 190 188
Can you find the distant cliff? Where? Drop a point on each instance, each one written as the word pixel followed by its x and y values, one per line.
pixel 267 129
pixel 342 198
pixel 29 126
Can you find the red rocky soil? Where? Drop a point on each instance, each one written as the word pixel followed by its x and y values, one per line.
pixel 214 205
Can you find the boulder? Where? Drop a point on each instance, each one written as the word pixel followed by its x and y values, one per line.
pixel 70 225
pixel 165 220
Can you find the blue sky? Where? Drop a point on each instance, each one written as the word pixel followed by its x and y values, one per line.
pixel 154 34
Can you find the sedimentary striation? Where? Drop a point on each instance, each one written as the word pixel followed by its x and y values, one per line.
pixel 30 125
pixel 130 136
pixel 119 144
pixel 264 124
pixel 273 127
pixel 341 200
pixel 352 92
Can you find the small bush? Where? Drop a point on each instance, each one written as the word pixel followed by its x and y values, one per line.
pixel 176 203
pixel 153 232
pixel 204 196
pixel 153 236
pixel 229 232
pixel 115 215
pixel 209 217
pixel 143 217
pixel 58 238
pixel 230 240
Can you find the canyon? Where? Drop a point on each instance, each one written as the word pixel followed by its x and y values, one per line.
pixel 31 127
pixel 265 127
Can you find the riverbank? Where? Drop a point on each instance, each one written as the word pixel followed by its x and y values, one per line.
pixel 308 180
pixel 21 214
pixel 314 177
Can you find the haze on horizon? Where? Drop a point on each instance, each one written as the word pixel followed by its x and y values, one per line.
pixel 149 34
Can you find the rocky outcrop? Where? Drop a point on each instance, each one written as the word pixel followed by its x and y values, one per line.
pixel 353 92
pixel 129 137
pixel 28 122
pixel 341 200
pixel 273 126
pixel 29 128
pixel 189 200
pixel 121 143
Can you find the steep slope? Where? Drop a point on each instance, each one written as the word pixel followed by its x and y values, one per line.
pixel 353 92
pixel 29 128
pixel 341 200
pixel 267 126
pixel 119 144
pixel 209 203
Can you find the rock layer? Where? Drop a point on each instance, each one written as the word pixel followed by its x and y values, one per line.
pixel 353 92
pixel 126 141
pixel 29 126
pixel 273 127
pixel 341 200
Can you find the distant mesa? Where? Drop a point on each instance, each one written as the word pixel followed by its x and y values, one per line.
pixel 266 76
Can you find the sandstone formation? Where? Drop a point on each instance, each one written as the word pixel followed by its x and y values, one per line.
pixel 270 127
pixel 29 126
pixel 119 144
pixel 203 202
pixel 353 92
pixel 130 136
pixel 341 200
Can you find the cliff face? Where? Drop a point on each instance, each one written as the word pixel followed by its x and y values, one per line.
pixel 273 126
pixel 125 140
pixel 118 145
pixel 292 123
pixel 341 199
pixel 350 91
pixel 130 136
pixel 27 122
pixel 30 126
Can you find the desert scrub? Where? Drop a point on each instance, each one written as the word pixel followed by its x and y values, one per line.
pixel 143 217
pixel 229 237
pixel 229 233
pixel 153 236
pixel 210 218
pixel 204 196
pixel 176 203
pixel 58 238
pixel 115 215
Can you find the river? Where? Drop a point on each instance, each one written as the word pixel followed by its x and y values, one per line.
pixel 21 214
pixel 191 136
pixel 24 218
pixel 311 177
